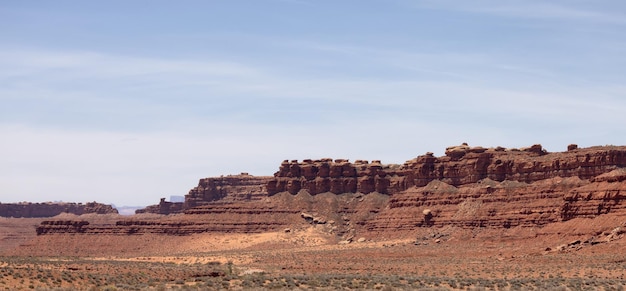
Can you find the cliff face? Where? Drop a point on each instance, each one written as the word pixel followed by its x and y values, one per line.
pixel 605 194
pixel 487 203
pixel 468 187
pixel 242 187
pixel 478 187
pixel 164 207
pixel 461 165
pixel 52 209
pixel 465 165
pixel 230 188
pixel 338 176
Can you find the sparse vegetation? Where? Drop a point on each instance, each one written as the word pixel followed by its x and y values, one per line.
pixel 43 273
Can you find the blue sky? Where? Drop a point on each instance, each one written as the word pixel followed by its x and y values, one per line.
pixel 128 101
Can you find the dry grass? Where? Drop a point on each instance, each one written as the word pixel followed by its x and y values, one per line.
pixel 38 273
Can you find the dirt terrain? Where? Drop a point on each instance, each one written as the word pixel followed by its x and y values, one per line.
pixel 475 219
pixel 308 257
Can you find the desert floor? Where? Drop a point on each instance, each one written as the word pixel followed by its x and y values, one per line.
pixel 307 257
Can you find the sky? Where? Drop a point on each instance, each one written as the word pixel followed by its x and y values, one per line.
pixel 126 102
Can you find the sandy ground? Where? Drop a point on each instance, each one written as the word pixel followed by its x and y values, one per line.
pixel 556 252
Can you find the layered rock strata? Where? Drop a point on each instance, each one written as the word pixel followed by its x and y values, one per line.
pixel 605 194
pixel 237 219
pixel 51 209
pixel 487 203
pixel 460 166
pixel 336 176
pixel 164 207
pixel 469 187
pixel 465 165
pixel 242 187
pixel 338 214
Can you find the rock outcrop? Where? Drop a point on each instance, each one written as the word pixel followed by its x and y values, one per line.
pixel 62 226
pixel 461 165
pixel 605 193
pixel 338 176
pixel 469 187
pixel 242 187
pixel 164 207
pixel 51 209
pixel 487 203
pixel 466 165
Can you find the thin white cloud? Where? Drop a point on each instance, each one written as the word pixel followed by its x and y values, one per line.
pixel 97 65
pixel 531 9
pixel 136 82
pixel 495 66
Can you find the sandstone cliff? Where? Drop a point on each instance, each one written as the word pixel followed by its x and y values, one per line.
pixel 338 176
pixel 469 187
pixel 242 187
pixel 164 207
pixel 460 166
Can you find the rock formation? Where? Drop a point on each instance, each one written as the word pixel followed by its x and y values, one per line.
pixel 604 194
pixel 242 187
pixel 51 209
pixel 464 165
pixel 460 166
pixel 164 207
pixel 338 176
pixel 487 203
pixel 468 187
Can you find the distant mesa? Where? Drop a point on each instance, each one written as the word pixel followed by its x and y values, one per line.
pixel 50 209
